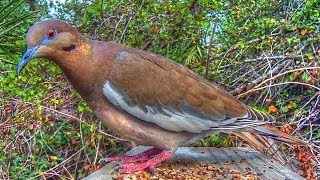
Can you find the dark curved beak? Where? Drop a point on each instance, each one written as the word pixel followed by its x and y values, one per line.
pixel 27 56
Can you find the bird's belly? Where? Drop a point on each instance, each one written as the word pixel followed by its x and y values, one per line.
pixel 142 133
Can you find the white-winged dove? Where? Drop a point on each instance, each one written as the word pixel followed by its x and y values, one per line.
pixel 141 96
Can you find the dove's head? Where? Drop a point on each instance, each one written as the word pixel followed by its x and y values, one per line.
pixel 54 40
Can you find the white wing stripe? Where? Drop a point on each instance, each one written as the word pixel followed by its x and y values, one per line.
pixel 172 120
pixel 184 119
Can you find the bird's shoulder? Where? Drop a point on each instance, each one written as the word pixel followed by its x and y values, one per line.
pixel 149 79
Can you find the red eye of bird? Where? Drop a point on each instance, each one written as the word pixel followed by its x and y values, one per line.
pixel 51 33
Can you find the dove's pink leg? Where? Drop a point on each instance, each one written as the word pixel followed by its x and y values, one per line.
pixel 139 157
pixel 149 164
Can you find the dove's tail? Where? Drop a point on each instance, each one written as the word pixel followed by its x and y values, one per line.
pixel 274 133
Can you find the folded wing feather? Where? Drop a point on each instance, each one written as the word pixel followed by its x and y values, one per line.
pixel 157 90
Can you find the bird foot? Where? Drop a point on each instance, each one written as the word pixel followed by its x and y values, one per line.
pixel 139 157
pixel 149 164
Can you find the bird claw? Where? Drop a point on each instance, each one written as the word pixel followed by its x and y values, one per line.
pixel 143 156
pixel 117 167
pixel 149 158
pixel 101 160
pixel 152 170
pixel 150 164
pixel 110 159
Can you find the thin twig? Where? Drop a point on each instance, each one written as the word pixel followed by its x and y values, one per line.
pixel 300 83
pixel 272 78
pixel 210 49
pixel 60 164
pixel 274 57
pixel 258 80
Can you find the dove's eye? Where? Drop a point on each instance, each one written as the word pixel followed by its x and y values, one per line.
pixel 51 33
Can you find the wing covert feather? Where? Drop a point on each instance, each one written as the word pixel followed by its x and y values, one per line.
pixel 158 90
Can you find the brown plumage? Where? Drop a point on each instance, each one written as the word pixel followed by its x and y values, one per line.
pixel 142 96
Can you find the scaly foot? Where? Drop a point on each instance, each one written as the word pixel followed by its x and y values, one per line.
pixel 149 164
pixel 139 157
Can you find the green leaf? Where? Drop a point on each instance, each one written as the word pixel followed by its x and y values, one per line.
pixel 80 107
pixel 284 109
pixel 306 77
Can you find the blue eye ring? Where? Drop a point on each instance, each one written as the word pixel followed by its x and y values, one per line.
pixel 49 36
pixel 51 33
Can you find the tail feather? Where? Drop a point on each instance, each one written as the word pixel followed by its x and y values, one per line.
pixel 274 133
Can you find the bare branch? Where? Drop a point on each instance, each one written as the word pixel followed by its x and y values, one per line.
pixel 210 49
